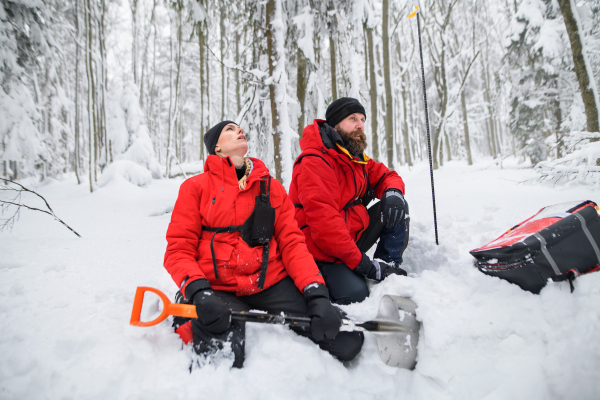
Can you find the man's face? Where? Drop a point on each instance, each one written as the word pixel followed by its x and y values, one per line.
pixel 352 131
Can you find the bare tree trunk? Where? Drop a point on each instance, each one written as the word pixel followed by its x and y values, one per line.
pixel 301 89
pixel 270 14
pixel 168 157
pixel 334 93
pixel 173 104
pixel 208 103
pixel 145 67
pixel 77 107
pixel 558 116
pixel 201 39
pixel 404 115
pixel 222 44
pixel 443 93
pixel 366 54
pixel 448 149
pixel 372 92
pixel 93 81
pixel 490 119
pixel 584 76
pixel 389 100
pixel 237 73
pixel 90 76
pixel 176 111
pixel 463 102
pixel 134 42
pixel 407 146
pixel 104 79
pixel 150 113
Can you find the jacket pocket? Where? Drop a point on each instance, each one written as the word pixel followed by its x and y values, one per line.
pixel 222 250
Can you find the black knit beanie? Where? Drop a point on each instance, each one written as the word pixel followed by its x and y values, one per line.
pixel 212 136
pixel 341 108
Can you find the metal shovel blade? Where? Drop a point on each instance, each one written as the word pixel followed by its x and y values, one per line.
pixel 398 336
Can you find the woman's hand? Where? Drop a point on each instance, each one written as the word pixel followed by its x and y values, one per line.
pixel 325 319
pixel 212 312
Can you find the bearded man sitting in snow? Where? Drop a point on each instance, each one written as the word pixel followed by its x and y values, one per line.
pixel 333 181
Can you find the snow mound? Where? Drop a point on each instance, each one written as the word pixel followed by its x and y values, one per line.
pixel 142 153
pixel 128 171
pixel 128 133
pixel 579 165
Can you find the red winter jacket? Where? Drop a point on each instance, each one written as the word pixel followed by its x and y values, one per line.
pixel 214 199
pixel 325 179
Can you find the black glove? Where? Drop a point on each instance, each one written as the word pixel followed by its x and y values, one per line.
pixel 393 208
pixel 214 315
pixel 377 270
pixel 325 320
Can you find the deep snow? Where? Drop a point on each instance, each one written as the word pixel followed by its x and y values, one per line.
pixel 65 305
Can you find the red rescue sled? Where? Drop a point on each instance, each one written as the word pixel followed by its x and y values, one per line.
pixel 560 242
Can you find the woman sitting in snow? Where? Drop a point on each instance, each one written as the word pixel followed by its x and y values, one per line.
pixel 216 249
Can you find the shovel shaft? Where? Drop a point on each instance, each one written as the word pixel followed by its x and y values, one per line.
pixel 301 322
pixel 249 316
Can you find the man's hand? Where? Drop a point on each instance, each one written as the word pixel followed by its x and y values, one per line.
pixel 377 270
pixel 393 208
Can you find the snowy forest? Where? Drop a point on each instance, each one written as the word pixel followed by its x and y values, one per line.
pixel 91 83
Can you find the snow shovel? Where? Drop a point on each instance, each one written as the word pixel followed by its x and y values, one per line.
pixel 395 326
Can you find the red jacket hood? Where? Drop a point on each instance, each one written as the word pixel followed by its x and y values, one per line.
pixel 311 137
pixel 326 139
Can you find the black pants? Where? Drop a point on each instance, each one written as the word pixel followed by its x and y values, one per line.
pixel 345 286
pixel 284 297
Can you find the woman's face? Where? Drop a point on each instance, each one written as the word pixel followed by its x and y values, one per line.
pixel 232 141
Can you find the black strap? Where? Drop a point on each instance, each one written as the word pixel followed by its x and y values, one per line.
pixel 298 205
pixel 570 275
pixel 222 229
pixel 352 204
pixel 218 229
pixel 264 193
pixel 263 267
pixel 310 155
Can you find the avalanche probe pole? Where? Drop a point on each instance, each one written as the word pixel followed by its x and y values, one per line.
pixel 417 12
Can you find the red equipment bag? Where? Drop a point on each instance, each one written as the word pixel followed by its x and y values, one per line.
pixel 560 242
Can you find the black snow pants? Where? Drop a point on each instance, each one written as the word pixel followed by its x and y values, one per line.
pixel 284 297
pixel 345 286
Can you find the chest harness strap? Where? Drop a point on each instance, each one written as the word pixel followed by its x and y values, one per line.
pixel 256 231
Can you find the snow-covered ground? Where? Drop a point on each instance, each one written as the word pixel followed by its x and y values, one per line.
pixel 65 305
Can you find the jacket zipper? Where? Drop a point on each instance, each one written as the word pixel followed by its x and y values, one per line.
pixel 210 208
pixel 353 177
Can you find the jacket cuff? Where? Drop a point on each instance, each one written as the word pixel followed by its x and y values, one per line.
pixel 393 188
pixel 315 291
pixel 365 265
pixel 354 261
pixel 193 287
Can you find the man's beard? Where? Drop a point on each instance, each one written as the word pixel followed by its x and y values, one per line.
pixel 354 146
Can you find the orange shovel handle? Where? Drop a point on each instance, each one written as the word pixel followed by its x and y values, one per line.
pixel 178 310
